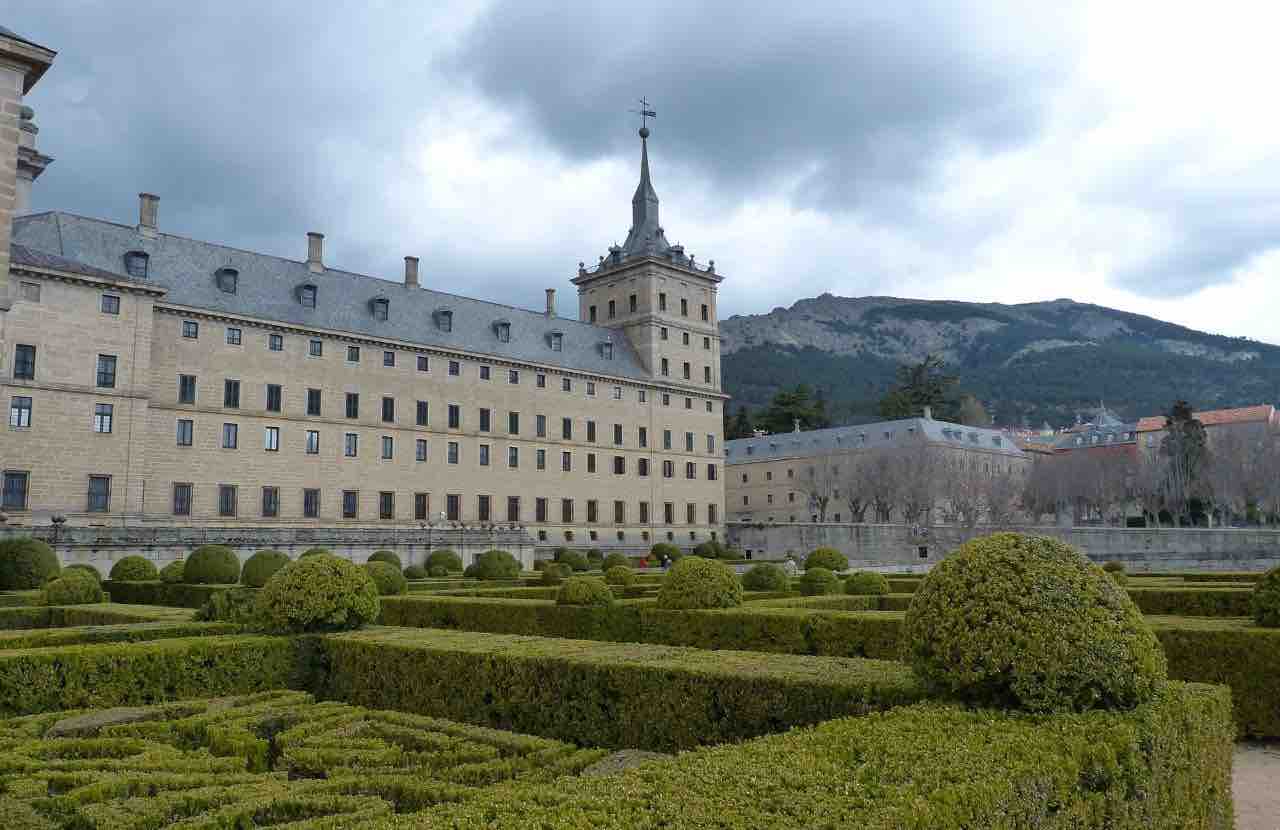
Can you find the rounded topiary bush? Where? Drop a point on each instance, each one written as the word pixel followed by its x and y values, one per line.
pixel 575 560
pixel 620 575
pixel 386 556
pixel 595 557
pixel 665 549
pixel 26 563
pixel 1026 622
pixel 1265 602
pixel 615 560
pixel 555 572
pixel 584 590
pixel 437 571
pixel 866 582
pixel 316 552
pixel 134 568
pixel 388 578
pixel 444 558
pixel 72 588
pixel 262 566
pixel 765 577
pixel 694 582
pixel 174 572
pixel 415 572
pixel 829 558
pixel 495 564
pixel 1113 567
pixel 318 593
pixel 816 581
pixel 82 568
pixel 212 565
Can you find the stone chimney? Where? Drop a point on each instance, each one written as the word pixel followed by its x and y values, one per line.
pixel 148 211
pixel 31 163
pixel 315 252
pixel 411 272
pixel 551 302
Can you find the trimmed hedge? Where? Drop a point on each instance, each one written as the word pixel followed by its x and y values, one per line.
pixel 173 572
pixel 602 694
pixel 666 549
pixel 316 552
pixel 134 568
pixel 261 566
pixel 320 593
pixel 1193 602
pixel 866 583
pixel 694 582
pixel 74 589
pixel 614 560
pixel 765 577
pixel 84 568
pixel 829 558
pixel 493 564
pixel 543 617
pixel 817 581
pixel 386 556
pixel 61 616
pixel 554 573
pixel 212 565
pixel 575 560
pixel 1265 602
pixel 178 595
pixel 387 578
pixel 26 563
pixel 109 633
pixel 444 558
pixel 415 572
pixel 585 590
pixel 620 575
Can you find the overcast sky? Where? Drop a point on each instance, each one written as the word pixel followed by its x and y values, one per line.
pixel 1126 154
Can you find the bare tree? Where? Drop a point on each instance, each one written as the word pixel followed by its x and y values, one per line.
pixel 917 474
pixel 883 474
pixel 963 486
pixel 820 484
pixel 1004 491
pixel 856 485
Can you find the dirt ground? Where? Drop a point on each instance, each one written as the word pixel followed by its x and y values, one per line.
pixel 1256 786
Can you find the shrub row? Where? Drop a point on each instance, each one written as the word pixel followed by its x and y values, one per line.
pixel 1193 602
pixel 603 694
pixel 161 593
pixel 109 633
pixel 543 617
pixel 43 616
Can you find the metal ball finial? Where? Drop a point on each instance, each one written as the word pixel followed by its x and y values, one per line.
pixel 644 132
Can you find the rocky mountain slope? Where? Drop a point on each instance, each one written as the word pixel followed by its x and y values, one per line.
pixel 1028 363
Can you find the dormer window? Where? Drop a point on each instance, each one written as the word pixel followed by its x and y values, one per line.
pixel 444 319
pixel 381 308
pixel 307 295
pixel 135 264
pixel 606 350
pixel 503 329
pixel 227 279
pixel 557 341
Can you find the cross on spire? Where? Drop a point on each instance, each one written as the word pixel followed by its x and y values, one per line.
pixel 645 112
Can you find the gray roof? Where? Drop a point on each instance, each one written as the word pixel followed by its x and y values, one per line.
pixel 267 289
pixel 21 255
pixel 882 434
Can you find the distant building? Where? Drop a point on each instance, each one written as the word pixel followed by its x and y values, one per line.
pixel 1245 422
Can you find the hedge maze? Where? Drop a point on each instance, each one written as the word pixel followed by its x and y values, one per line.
pixel 499 700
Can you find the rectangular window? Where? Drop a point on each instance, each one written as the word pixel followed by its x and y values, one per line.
pixel 642 439
pixel 311 503
pixel 190 329
pixel 619 465
pixel 617 435
pixel 350 504
pixel 388 410
pixel 313 442
pixel 591 432
pixel 644 512
pixel 513 457
pixel 591 314
pixel 453 507
pixel 711 442
pixel 484 419
pixel 186 388
pixel 353 404
pixel 420 449
pixel 424 364
pixel 275 342
pixel 684 338
pixel 566 461
pixel 15 490
pixel 712 472
pixel 388 358
pixel 642 467
pixel 663 333
pixel 617 393
pixel 684 307
pixel 20 412
pixel 591 389
pixel 688 403
pixel 566 384
pixel 613 309
pixel 231 394
pixel 423 414
pixel 455 416
pixel 455 368
pixel 271 439
pixel 566 510
pixel 705 311
pixel 185 428
pixel 316 347
pixel 566 429
pixel 668 513
pixel 313 401
pixel 513 508
pixel 593 511
pixel 540 426
pixel 421 507
pixel 619 512
pixel 353 354
pixel 591 462
pixel 662 301
pixel 453 452
pixel 388 447
pixel 690 514
pixel 182 499
pixel 30 291
pixel 706 342
pixel 386 505
pixel 270 502
pixel 484 455
pixel 706 374
pixel 351 445
pixel 230 436
pixel 541 382
pixel 687 371
pixel 513 423
pixel 642 396
pixel 541 459
pixel 275 397
pixel 711 514
pixel 110 304
pixel 666 439
pixel 106 370
pixel 226 500
pixel 688 442
pixel 513 377
pixel 484 373
pixel 665 367
pixel 631 303
pixel 690 470
pixel 233 336
pixel 483 504
pixel 539 509
pixel 668 469
pixel 99 494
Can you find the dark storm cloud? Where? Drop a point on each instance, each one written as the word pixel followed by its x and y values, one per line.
pixel 862 101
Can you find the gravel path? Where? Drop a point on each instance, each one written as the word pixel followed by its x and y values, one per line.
pixel 1256 786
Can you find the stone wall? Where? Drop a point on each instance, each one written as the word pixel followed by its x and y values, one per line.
pixel 103 546
pixel 900 547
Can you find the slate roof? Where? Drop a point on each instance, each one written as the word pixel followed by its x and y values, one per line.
pixel 268 287
pixel 21 255
pixel 866 436
pixel 1216 417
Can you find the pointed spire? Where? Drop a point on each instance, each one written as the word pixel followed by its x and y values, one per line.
pixel 646 236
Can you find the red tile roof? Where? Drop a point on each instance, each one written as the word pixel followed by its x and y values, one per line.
pixel 1216 417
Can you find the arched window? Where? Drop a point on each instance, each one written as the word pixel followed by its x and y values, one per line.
pixel 135 264
pixel 227 279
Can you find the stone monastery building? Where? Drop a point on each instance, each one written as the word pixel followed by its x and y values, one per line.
pixel 154 379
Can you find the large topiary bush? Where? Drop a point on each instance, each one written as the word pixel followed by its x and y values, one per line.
pixel 316 552
pixel 1026 622
pixel 262 566
pixel 438 572
pixel 174 572
pixel 386 556
pixel 134 568
pixel 494 564
pixel 555 572
pixel 82 568
pixel 665 549
pixel 26 563
pixel 866 582
pixel 318 593
pixel 829 558
pixel 817 581
pixel 620 575
pixel 415 572
pixel 575 560
pixel 1113 566
pixel 595 557
pixel 584 590
pixel 765 577
pixel 212 565
pixel 614 560
pixel 388 578
pixel 444 558
pixel 233 605
pixel 72 588
pixel 694 582
pixel 1265 602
